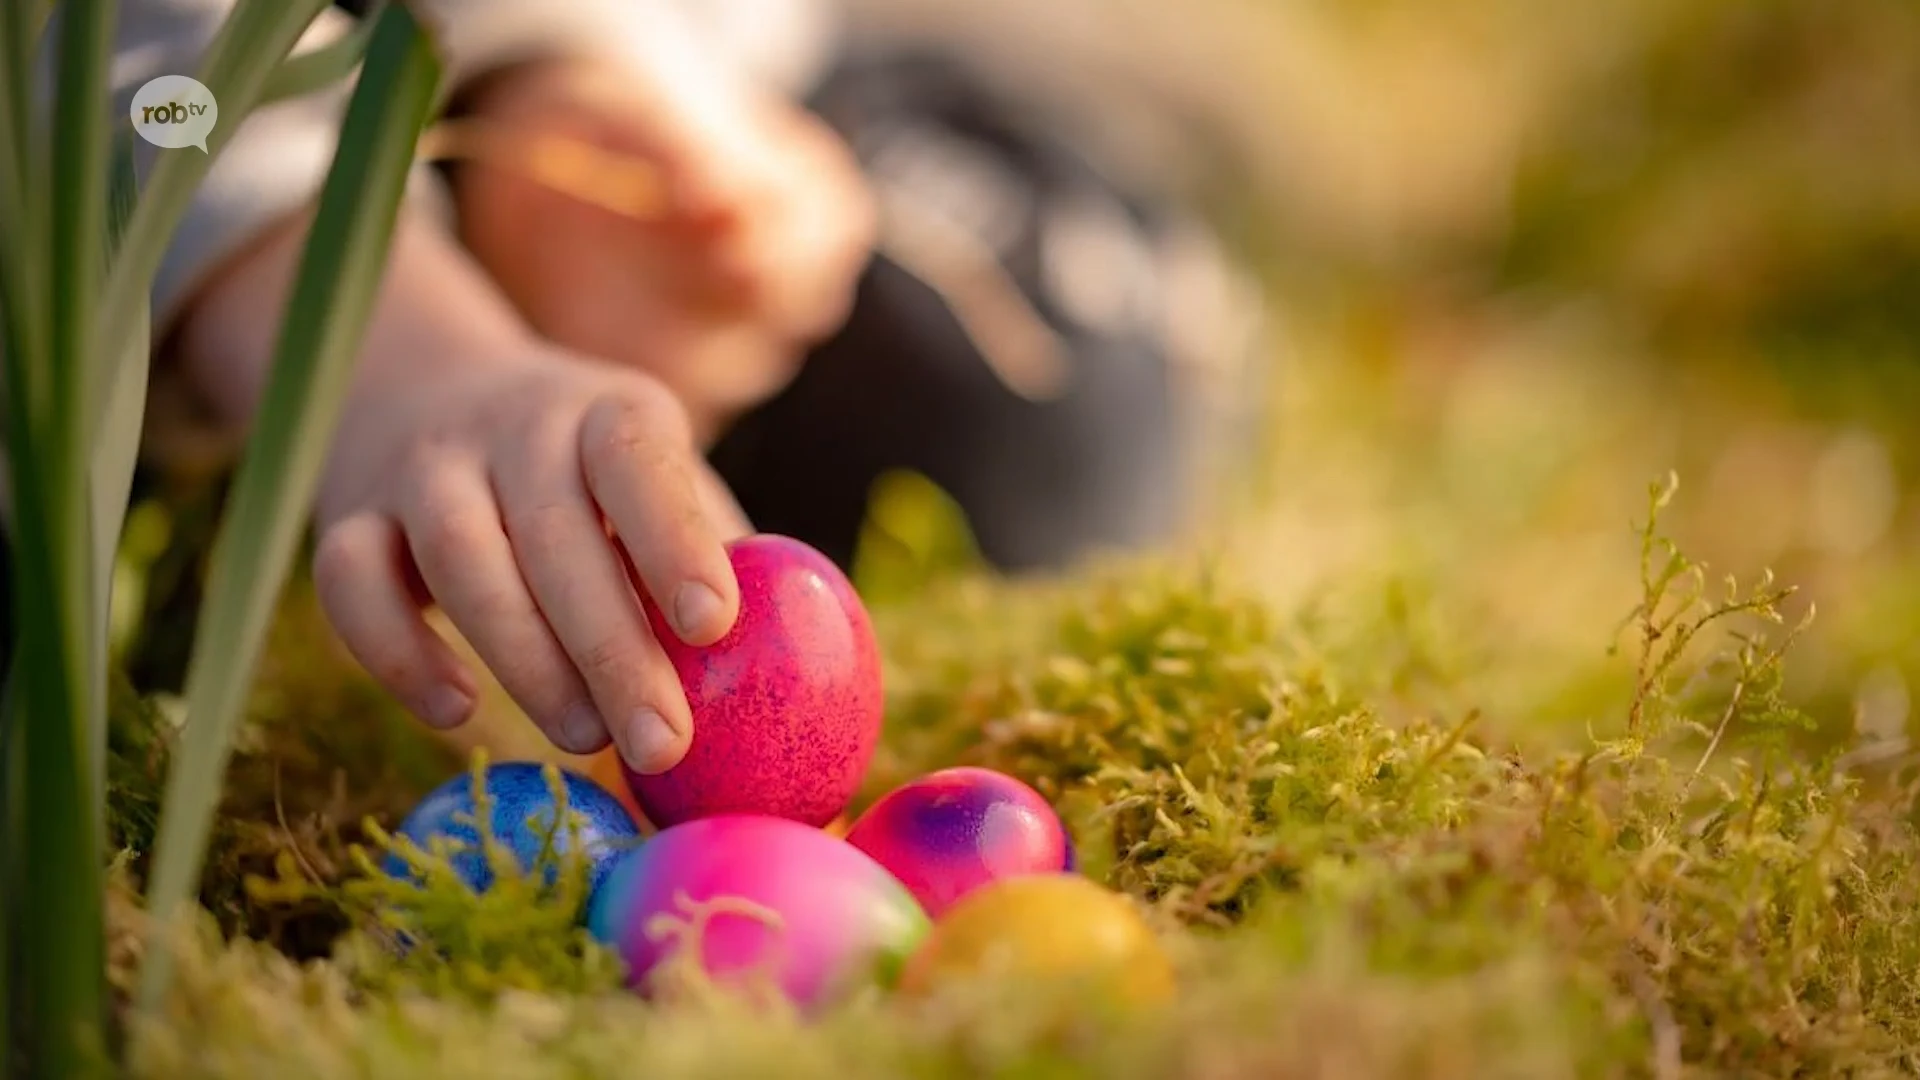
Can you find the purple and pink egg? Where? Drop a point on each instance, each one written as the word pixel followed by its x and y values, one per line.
pixel 950 832
pixel 759 898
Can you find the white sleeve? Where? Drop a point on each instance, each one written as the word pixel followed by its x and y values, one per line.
pixel 275 162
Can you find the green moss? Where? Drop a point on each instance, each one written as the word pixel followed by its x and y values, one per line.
pixel 1346 893
pixel 322 749
pixel 430 932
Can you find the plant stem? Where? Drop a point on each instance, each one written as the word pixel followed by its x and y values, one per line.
pixel 19 30
pixel 62 939
pixel 11 826
pixel 20 354
pixel 22 314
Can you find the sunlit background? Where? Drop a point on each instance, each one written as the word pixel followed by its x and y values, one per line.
pixel 1523 259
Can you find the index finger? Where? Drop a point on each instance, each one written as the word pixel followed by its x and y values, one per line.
pixel 641 467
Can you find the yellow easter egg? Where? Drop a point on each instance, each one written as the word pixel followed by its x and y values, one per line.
pixel 1046 926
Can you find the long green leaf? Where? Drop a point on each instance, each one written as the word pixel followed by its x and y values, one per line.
pixel 325 66
pixel 256 36
pixel 18 34
pixel 115 453
pixel 340 274
pixel 22 359
pixel 25 366
pixel 22 223
pixel 12 825
pixel 63 936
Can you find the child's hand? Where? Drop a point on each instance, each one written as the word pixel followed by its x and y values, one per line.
pixel 765 227
pixel 482 490
pixel 525 490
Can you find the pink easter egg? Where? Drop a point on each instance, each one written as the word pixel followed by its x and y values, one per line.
pixel 950 832
pixel 786 707
pixel 757 897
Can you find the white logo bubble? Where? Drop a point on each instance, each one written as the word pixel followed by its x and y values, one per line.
pixel 174 111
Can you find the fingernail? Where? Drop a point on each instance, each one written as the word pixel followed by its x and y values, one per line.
pixel 696 608
pixel 646 740
pixel 446 706
pixel 582 730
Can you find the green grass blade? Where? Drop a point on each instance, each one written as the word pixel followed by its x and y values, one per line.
pixel 123 188
pixel 12 822
pixel 333 295
pixel 62 932
pixel 24 365
pixel 251 44
pixel 22 271
pixel 325 66
pixel 115 453
pixel 17 37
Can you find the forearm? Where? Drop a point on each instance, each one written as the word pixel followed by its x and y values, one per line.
pixel 222 286
pixel 273 163
pixel 435 307
pixel 267 175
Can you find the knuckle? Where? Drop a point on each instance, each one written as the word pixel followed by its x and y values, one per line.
pixel 452 535
pixel 548 535
pixel 547 530
pixel 338 556
pixel 422 479
pixel 396 669
pixel 535 681
pixel 637 423
pixel 611 661
pixel 545 420
pixel 428 455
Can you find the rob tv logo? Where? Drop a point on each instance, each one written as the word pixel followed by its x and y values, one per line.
pixel 174 111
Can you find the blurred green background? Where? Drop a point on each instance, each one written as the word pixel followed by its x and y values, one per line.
pixel 1525 258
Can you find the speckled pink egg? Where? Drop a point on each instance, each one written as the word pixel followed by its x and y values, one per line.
pixel 786 707
pixel 950 832
pixel 760 898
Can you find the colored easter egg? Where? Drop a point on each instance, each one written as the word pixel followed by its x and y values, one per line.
pixel 522 818
pixel 786 707
pixel 1051 926
pixel 758 897
pixel 950 832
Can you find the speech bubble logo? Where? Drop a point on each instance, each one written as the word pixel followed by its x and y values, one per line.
pixel 174 111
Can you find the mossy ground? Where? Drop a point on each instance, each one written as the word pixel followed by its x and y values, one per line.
pixel 1426 759
pixel 1374 847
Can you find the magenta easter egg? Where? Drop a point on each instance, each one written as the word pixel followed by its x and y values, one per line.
pixel 786 707
pixel 758 897
pixel 952 831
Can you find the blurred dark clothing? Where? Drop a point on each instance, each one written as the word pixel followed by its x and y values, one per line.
pixel 906 385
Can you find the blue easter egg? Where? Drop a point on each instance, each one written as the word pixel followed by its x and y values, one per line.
pixel 522 818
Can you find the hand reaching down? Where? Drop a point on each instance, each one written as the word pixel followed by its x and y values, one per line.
pixel 528 498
